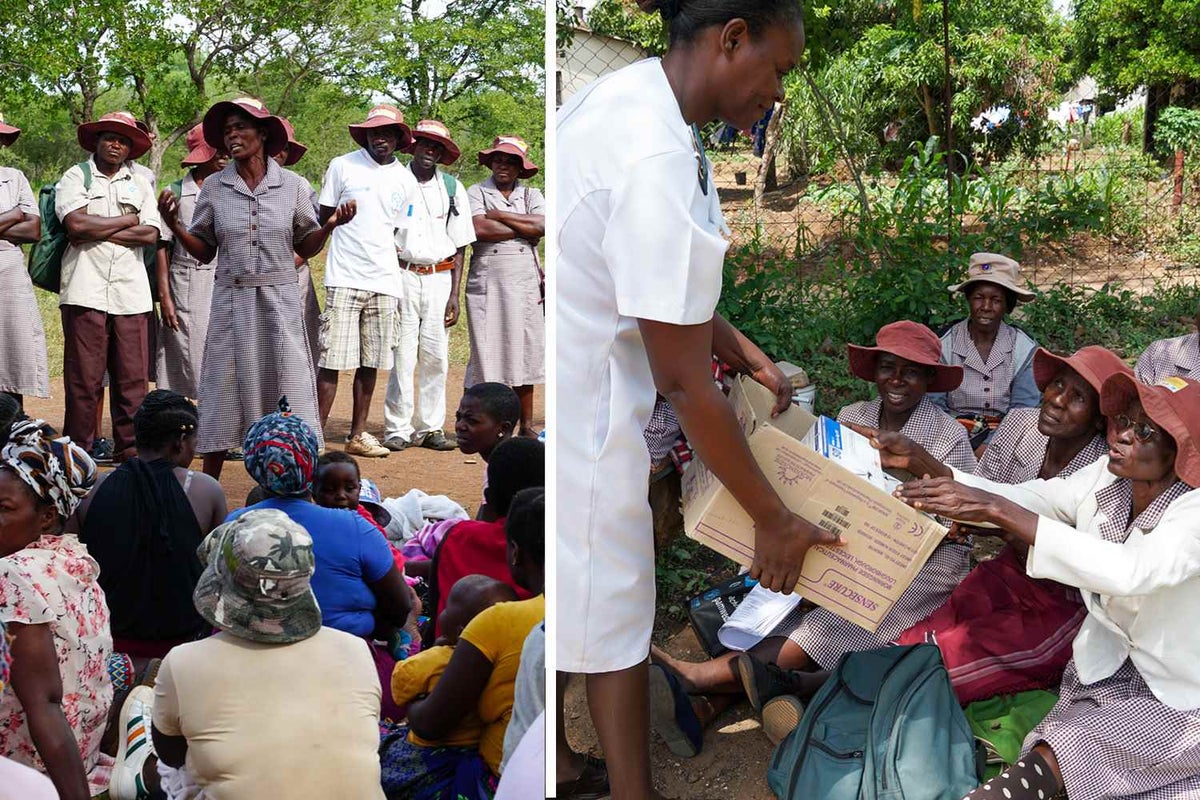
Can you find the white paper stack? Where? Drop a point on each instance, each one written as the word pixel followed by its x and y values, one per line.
pixel 848 448
pixel 759 613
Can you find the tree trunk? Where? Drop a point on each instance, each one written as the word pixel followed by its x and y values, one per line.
pixel 928 107
pixel 1156 101
pixel 1126 132
pixel 1177 196
pixel 766 168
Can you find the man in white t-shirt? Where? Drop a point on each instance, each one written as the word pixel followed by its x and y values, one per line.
pixel 362 280
pixel 434 231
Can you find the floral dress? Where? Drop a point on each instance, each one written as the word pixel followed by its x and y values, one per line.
pixel 53 581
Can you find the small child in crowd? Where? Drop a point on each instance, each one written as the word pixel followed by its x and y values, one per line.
pixel 337 483
pixel 415 677
pixel 487 415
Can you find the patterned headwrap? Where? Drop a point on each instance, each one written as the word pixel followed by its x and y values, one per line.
pixel 58 470
pixel 281 451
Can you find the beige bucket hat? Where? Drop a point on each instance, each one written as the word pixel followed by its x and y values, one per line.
pixel 997 269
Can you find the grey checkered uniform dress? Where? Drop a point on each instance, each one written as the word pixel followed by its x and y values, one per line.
pixel 1114 738
pixel 1168 358
pixel 825 636
pixel 257 348
pixel 180 353
pixel 1017 450
pixel 505 311
pixel 23 368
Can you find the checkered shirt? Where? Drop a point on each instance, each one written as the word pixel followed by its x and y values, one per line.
pixel 1017 450
pixel 986 388
pixel 664 436
pixel 1167 358
pixel 825 636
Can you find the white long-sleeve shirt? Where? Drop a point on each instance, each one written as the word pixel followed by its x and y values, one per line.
pixel 1142 594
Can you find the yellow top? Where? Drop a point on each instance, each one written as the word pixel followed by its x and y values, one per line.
pixel 499 633
pixel 416 676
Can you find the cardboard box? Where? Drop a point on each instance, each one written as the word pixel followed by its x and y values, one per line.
pixel 887 542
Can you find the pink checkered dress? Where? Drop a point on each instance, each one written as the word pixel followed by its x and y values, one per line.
pixel 825 636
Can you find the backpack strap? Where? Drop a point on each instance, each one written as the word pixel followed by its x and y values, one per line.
pixel 86 166
pixel 176 188
pixel 451 187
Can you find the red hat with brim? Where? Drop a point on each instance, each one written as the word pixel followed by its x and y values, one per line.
pixel 295 150
pixel 8 133
pixel 214 123
pixel 1172 404
pixel 913 342
pixel 199 151
pixel 382 116
pixel 119 122
pixel 435 131
pixel 514 146
pixel 1093 363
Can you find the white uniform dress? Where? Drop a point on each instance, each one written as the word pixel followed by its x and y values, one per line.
pixel 638 238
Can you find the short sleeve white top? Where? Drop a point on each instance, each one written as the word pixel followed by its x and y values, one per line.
pixel 362 254
pixel 640 236
pixel 428 232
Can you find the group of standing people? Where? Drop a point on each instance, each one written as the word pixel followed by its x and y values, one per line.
pixel 224 251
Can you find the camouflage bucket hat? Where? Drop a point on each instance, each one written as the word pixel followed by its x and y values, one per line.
pixel 256 582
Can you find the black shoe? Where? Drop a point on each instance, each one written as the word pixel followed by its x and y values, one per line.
pixel 396 444
pixel 763 681
pixel 102 451
pixel 235 454
pixel 592 783
pixel 437 441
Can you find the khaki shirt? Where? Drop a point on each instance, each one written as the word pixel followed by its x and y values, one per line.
pixel 106 276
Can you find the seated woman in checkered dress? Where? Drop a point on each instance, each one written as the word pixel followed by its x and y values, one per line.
pixel 904 367
pixel 1002 632
pixel 1125 531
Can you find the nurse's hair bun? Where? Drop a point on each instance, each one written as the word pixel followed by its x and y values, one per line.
pixel 669 9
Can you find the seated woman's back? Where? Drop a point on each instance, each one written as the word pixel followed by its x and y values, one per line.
pixel 298 720
pixel 350 555
pixel 143 522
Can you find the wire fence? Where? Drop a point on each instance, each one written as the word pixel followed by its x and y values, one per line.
pixel 1090 209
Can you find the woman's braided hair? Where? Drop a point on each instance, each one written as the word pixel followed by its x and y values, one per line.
pixel 163 416
pixel 686 18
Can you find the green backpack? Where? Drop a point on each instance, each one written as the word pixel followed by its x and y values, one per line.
pixel 46 255
pixel 885 726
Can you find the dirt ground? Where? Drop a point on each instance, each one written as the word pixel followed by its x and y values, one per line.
pixel 733 762
pixel 451 473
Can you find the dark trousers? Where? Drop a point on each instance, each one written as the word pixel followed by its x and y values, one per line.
pixel 95 341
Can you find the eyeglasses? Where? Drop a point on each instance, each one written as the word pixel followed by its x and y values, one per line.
pixel 1142 431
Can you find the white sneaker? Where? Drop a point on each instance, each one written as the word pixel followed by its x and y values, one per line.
pixel 367 446
pixel 136 745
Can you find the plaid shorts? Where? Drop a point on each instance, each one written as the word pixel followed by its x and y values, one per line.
pixel 357 329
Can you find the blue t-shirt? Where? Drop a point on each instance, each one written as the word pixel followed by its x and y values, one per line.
pixel 349 553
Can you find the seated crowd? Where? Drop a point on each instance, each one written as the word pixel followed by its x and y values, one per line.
pixel 1084 468
pixel 155 644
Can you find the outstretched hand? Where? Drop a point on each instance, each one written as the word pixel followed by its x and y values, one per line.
pixel 344 213
pixel 897 451
pixel 949 498
pixel 168 208
pixel 780 547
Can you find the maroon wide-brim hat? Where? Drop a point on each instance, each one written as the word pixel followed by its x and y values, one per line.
pixel 296 150
pixel 514 146
pixel 1094 364
pixel 199 151
pixel 435 131
pixel 214 123
pixel 119 122
pixel 913 342
pixel 1172 404
pixel 8 133
pixel 382 116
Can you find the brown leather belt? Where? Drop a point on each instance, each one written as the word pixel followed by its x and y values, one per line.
pixel 429 269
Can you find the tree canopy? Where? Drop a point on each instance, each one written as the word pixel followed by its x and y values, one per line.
pixel 476 65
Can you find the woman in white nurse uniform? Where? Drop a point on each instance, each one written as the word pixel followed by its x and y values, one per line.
pixel 640 254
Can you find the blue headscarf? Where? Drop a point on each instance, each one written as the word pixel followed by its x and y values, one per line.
pixel 281 452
